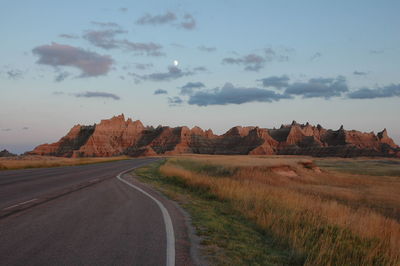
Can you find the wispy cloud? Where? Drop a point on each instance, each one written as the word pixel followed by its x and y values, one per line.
pixel 229 94
pixel 61 76
pixel 143 66
pixel 160 91
pixel 96 94
pixel 90 63
pixel 106 39
pixel 69 36
pixel 190 87
pixel 172 73
pixel 160 19
pixel 14 74
pixel 257 61
pixel 360 73
pixel 150 48
pixel 252 62
pixel 200 69
pixel 106 24
pixel 392 90
pixel 174 101
pixel 206 49
pixel 376 51
pixel 188 22
pixel 315 56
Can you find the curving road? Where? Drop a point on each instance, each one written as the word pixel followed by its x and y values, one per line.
pixel 84 215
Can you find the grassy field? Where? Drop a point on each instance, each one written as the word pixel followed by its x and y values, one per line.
pixel 297 212
pixel 35 161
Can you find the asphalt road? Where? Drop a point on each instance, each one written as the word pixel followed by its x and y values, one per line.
pixel 104 223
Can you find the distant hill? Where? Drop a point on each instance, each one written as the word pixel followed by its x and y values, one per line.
pixel 6 153
pixel 117 136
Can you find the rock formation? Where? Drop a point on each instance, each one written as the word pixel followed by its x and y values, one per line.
pixel 118 136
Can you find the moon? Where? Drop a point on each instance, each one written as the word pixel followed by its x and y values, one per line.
pixel 176 63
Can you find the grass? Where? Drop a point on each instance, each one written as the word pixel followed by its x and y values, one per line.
pixel 30 161
pixel 323 217
pixel 376 167
pixel 227 237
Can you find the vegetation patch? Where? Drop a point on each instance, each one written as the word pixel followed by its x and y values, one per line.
pixel 36 161
pixel 314 218
pixel 227 237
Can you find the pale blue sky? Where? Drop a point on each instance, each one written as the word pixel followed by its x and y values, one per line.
pixel 338 61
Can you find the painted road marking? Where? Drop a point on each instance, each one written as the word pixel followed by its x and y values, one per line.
pixel 19 204
pixel 167 220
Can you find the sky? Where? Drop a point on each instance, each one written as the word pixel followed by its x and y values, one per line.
pixel 214 64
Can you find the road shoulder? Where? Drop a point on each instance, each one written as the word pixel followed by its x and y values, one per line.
pixel 186 241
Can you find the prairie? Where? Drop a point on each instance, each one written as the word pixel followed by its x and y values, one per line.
pixel 36 161
pixel 323 211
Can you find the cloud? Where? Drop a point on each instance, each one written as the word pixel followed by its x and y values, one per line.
pixel 319 87
pixel 151 49
pixel 252 62
pixel 189 23
pixel 106 24
pixel 172 73
pixel 68 36
pixel 200 69
pixel 392 90
pixel 230 94
pixel 272 55
pixel 14 74
pixel 206 49
pixel 189 87
pixel 315 56
pixel 255 62
pixel 276 82
pixel 376 51
pixel 90 63
pixel 96 94
pixel 160 91
pixel 360 73
pixel 104 38
pixel 142 66
pixel 174 101
pixel 148 19
pixel 61 76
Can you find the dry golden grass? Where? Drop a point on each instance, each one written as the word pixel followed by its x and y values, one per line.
pixel 332 218
pixel 35 161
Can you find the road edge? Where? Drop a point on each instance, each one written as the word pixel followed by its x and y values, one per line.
pixel 169 229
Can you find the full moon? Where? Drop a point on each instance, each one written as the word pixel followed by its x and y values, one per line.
pixel 176 62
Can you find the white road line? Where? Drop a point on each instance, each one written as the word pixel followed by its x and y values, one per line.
pixel 19 204
pixel 167 220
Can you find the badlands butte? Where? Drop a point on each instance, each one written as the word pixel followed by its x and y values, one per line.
pixel 117 136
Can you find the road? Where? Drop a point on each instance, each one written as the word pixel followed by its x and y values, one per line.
pixel 82 215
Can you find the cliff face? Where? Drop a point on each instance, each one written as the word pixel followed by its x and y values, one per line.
pixel 65 147
pixel 117 136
